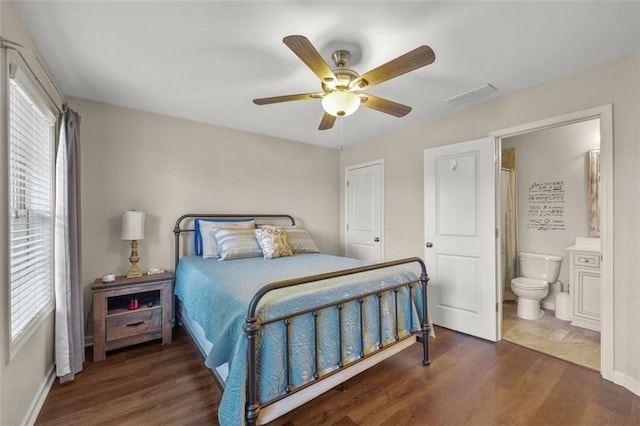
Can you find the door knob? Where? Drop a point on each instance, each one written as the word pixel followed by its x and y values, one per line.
pixel 376 240
pixel 429 244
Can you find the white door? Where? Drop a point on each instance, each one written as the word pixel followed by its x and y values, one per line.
pixel 460 239
pixel 364 212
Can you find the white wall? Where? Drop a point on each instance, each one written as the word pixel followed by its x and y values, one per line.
pixel 559 154
pixel 23 377
pixel 617 83
pixel 167 167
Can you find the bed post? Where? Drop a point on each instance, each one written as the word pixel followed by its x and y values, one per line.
pixel 424 279
pixel 176 247
pixel 251 327
pixel 176 252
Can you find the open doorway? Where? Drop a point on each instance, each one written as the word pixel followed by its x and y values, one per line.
pixel 547 192
pixel 545 207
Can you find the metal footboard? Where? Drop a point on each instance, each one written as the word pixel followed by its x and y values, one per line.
pixel 253 326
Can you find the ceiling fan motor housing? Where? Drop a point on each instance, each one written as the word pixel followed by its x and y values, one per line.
pixel 344 76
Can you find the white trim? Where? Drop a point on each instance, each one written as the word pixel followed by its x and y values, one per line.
pixel 604 113
pixel 497 183
pixel 628 382
pixel 347 169
pixel 36 404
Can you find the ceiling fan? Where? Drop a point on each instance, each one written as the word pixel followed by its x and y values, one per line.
pixel 340 85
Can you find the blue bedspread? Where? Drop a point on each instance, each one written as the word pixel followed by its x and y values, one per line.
pixel 216 294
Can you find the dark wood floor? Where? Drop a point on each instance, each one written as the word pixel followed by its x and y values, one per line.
pixel 469 382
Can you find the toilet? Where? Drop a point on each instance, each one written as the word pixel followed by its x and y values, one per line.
pixel 538 271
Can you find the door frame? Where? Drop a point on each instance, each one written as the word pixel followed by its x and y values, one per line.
pixel 605 114
pixel 347 169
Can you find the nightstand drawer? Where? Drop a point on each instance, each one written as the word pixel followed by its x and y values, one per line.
pixel 134 323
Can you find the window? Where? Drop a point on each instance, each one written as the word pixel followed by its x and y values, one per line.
pixel 31 136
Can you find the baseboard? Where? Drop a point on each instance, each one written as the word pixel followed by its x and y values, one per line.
pixel 37 403
pixel 628 382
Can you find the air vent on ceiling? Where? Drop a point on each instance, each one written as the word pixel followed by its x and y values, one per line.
pixel 471 95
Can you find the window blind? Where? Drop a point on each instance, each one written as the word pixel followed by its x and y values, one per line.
pixel 30 204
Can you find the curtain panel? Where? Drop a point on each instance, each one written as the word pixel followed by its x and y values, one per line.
pixel 509 232
pixel 69 324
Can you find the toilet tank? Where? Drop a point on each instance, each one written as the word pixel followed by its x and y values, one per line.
pixel 540 266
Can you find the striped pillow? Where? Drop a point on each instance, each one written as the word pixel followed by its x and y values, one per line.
pixel 300 241
pixel 237 243
pixel 205 243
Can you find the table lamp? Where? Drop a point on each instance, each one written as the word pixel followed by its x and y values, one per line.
pixel 133 230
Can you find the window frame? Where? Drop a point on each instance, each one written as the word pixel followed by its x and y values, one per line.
pixel 15 70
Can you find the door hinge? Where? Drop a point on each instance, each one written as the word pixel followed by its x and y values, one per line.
pixel 347 184
pixel 497 308
pixel 497 233
pixel 347 226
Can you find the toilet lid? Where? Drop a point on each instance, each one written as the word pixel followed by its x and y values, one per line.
pixel 529 283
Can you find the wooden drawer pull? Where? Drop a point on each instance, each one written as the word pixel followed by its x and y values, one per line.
pixel 135 324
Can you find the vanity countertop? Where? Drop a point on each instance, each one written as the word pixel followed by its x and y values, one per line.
pixel 586 244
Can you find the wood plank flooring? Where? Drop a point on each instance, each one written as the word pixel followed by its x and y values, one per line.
pixel 469 382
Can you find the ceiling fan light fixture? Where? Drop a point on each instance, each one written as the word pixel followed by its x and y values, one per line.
pixel 340 103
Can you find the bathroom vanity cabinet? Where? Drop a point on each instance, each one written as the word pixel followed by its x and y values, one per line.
pixel 585 287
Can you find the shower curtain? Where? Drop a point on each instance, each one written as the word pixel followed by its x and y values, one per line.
pixel 509 215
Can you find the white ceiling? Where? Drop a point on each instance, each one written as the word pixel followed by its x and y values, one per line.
pixel 206 61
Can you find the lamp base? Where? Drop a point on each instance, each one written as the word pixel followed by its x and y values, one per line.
pixel 134 271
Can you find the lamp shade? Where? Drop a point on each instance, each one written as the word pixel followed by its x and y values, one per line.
pixel 340 103
pixel 132 225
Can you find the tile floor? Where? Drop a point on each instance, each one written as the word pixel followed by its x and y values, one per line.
pixel 552 336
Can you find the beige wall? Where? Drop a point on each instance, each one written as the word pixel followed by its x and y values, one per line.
pixel 22 377
pixel 618 83
pixel 167 167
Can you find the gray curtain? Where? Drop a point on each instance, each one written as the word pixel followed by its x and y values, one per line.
pixel 69 328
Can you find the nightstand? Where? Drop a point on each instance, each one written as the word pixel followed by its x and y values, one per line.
pixel 115 325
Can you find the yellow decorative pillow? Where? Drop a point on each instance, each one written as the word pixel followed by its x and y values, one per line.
pixel 274 242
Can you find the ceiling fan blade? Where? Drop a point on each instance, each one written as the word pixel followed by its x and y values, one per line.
pixel 327 122
pixel 303 48
pixel 417 58
pixel 384 105
pixel 287 98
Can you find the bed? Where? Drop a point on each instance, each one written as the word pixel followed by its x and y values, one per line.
pixel 278 332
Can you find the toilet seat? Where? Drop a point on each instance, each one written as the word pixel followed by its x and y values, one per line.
pixel 529 283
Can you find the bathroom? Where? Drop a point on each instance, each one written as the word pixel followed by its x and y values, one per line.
pixel 549 204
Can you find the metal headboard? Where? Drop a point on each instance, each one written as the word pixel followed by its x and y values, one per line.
pixel 178 230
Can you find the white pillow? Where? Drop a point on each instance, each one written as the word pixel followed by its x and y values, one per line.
pixel 209 246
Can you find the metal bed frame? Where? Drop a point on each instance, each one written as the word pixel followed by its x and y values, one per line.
pixel 252 325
